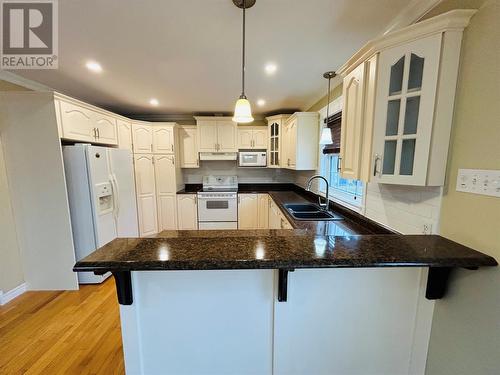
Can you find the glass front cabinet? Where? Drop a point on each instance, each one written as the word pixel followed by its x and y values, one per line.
pixel 275 128
pixel 406 114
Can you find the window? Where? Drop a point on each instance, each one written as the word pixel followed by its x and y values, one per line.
pixel 347 191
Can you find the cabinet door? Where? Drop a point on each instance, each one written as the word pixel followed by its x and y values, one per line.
pixel 274 216
pixel 351 135
pixel 226 136
pixel 188 140
pixel 77 123
pixel 404 111
pixel 245 137
pixel 207 136
pixel 143 138
pixel 260 138
pixel 274 147
pixel 163 139
pixel 124 134
pixel 290 143
pixel 146 194
pixel 263 214
pixel 187 212
pixel 167 212
pixel 106 129
pixel 165 174
pixel 248 206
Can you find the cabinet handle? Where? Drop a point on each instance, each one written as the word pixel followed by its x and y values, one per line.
pixel 98 133
pixel 197 162
pixel 151 147
pixel 375 163
pixel 152 159
pixel 172 147
pixel 95 133
pixel 173 160
pixel 339 164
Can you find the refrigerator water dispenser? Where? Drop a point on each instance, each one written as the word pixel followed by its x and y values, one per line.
pixel 104 194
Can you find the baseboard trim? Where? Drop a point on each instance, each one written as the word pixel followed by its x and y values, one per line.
pixel 13 293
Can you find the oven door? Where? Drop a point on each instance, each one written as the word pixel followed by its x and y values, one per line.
pixel 212 208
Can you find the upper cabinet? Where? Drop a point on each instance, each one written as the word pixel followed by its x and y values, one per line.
pixel 398 103
pixel 163 138
pixel 216 134
pixel 124 134
pixel 80 122
pixel 274 130
pixel 300 141
pixel 142 135
pixel 252 137
pixel 188 144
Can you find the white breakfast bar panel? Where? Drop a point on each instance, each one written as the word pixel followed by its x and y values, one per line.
pixel 335 321
pixel 199 322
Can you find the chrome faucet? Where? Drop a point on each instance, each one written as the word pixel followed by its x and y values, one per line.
pixel 325 205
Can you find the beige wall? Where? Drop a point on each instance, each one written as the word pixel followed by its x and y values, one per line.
pixel 334 94
pixel 465 335
pixel 11 273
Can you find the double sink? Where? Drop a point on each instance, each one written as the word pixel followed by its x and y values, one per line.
pixel 309 211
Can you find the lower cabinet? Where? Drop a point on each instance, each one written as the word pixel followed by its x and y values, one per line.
pixel 187 212
pixel 253 211
pixel 164 166
pixel 146 194
pixel 276 219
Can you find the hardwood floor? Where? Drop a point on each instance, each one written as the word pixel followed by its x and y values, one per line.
pixel 75 332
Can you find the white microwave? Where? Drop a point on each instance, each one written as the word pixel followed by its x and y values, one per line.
pixel 252 159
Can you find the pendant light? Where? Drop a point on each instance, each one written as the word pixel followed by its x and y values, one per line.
pixel 326 134
pixel 242 109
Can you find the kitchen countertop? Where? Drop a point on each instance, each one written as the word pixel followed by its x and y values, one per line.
pixel 276 249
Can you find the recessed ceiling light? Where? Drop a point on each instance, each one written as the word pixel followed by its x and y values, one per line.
pixel 154 102
pixel 94 66
pixel 270 68
pixel 261 102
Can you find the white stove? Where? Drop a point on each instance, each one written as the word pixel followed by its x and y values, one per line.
pixel 218 203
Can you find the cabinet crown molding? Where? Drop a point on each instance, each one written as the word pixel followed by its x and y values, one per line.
pixel 453 20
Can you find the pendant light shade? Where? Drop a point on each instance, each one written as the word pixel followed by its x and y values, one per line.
pixel 242 111
pixel 326 137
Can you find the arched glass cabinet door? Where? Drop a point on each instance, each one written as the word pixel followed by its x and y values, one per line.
pixel 274 145
pixel 406 93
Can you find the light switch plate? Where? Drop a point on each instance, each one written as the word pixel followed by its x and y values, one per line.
pixel 479 181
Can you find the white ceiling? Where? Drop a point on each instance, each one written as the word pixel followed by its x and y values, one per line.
pixel 187 53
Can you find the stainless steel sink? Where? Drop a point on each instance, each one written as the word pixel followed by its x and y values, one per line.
pixel 309 211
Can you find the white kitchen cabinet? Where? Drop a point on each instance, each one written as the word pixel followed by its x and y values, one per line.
pixel 399 131
pixel 263 211
pixel 248 211
pixel 164 166
pixel 146 194
pixel 216 134
pixel 275 129
pixel 404 111
pixel 275 220
pixel 163 138
pixel 352 123
pixel 187 212
pixel 105 129
pixel 82 123
pixel 252 138
pixel 124 134
pixel 188 144
pixel 142 135
pixel 300 141
pixel 77 122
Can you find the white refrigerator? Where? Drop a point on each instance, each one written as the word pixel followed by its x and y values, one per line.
pixel 102 200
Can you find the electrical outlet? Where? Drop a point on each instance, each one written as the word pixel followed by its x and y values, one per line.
pixel 479 181
pixel 427 228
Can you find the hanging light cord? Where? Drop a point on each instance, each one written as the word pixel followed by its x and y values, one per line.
pixel 328 102
pixel 243 56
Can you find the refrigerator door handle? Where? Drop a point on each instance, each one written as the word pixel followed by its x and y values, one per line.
pixel 115 192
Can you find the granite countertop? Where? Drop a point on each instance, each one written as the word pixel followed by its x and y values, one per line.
pixel 278 249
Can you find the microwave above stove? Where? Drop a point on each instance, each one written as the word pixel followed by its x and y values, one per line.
pixel 252 159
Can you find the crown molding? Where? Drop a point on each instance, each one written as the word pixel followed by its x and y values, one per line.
pixel 414 11
pixel 452 20
pixel 24 82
